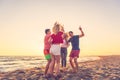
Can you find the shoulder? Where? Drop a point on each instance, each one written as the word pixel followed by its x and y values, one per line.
pixel 77 36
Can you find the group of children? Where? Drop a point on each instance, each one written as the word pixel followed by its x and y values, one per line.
pixel 55 48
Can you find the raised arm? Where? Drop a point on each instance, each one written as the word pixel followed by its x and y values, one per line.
pixel 82 33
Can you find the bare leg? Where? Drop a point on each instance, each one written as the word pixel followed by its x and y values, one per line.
pixel 57 58
pixel 51 66
pixel 47 66
pixel 76 63
pixel 71 63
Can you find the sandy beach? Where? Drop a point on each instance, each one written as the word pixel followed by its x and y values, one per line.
pixel 107 68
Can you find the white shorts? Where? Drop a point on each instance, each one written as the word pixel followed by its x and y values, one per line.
pixel 55 49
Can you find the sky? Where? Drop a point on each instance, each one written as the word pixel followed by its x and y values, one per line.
pixel 22 25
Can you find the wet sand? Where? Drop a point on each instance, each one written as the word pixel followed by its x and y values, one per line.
pixel 107 68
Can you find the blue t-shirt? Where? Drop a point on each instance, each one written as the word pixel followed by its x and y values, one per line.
pixel 75 42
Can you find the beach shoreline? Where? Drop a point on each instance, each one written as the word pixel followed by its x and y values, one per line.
pixel 105 68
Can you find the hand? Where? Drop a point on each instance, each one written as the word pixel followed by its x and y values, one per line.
pixel 80 28
pixel 56 23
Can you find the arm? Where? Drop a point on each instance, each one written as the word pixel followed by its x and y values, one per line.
pixel 82 33
pixel 62 30
pixel 50 40
pixel 68 42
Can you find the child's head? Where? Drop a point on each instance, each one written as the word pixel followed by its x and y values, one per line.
pixel 47 31
pixel 65 35
pixel 56 28
pixel 70 33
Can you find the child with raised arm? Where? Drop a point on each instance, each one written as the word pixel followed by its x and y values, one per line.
pixel 74 54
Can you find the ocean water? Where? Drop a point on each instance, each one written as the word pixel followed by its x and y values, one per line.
pixel 11 63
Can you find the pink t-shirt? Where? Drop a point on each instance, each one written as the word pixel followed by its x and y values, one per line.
pixel 57 38
pixel 46 43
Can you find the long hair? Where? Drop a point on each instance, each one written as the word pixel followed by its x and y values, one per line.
pixel 56 28
pixel 65 36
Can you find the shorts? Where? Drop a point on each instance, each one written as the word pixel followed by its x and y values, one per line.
pixel 55 49
pixel 74 53
pixel 47 54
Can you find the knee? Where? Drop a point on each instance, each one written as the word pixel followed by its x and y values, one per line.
pixel 58 61
pixel 52 61
pixel 75 60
